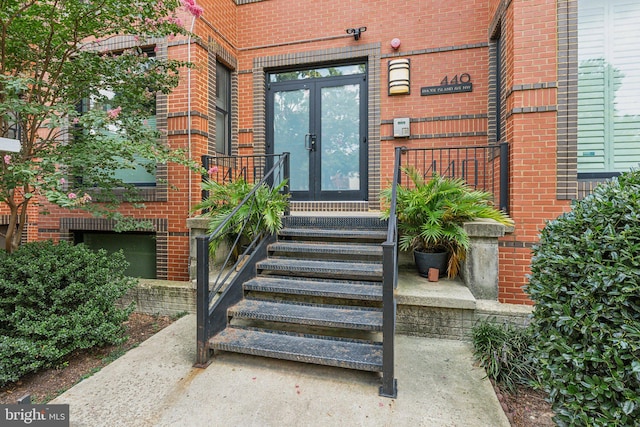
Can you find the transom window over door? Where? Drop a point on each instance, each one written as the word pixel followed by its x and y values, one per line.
pixel 608 86
pixel 318 115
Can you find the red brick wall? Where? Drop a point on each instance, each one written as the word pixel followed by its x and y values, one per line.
pixel 530 30
pixel 529 35
pixel 420 26
pixel 460 30
pixel 289 21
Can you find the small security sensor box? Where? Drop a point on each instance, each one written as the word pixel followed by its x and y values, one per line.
pixel 401 127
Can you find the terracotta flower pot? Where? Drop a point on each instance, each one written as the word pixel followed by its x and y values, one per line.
pixel 426 260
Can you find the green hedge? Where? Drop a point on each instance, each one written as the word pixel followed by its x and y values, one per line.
pixel 55 299
pixel 585 283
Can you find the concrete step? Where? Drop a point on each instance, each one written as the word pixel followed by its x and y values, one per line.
pixel 344 353
pixel 369 291
pixel 365 319
pixel 321 269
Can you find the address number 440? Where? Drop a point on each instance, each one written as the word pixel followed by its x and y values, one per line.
pixel 464 78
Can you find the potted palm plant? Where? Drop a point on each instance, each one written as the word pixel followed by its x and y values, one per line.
pixel 431 214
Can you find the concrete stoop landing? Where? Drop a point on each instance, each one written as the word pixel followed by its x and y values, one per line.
pixel 447 308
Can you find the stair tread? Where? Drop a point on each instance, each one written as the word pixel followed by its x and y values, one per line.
pixel 308 314
pixel 372 269
pixel 320 221
pixel 360 355
pixel 334 232
pixel 327 248
pixel 316 259
pixel 335 289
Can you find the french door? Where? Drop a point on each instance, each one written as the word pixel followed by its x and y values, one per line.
pixel 321 121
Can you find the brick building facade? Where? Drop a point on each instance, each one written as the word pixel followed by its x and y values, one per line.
pixel 522 58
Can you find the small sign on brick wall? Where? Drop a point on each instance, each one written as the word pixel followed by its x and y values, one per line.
pixel 456 84
pixel 441 90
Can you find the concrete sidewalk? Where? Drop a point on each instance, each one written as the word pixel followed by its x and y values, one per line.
pixel 156 385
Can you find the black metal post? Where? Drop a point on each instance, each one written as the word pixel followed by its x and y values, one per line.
pixel 504 176
pixel 205 165
pixel 202 300
pixel 287 175
pixel 389 386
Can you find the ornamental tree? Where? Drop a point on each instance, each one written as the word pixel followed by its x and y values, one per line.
pixel 53 61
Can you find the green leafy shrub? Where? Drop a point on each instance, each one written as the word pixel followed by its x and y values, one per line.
pixel 261 214
pixel 585 282
pixel 55 299
pixel 503 350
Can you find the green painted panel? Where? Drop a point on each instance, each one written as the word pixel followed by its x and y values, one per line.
pixel 139 249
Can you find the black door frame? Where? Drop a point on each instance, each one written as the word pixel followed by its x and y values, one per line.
pixel 315 85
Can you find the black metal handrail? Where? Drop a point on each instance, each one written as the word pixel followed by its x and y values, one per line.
pixel 213 301
pixel 481 167
pixel 389 386
pixel 251 168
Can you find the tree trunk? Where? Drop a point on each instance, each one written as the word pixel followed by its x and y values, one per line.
pixel 11 229
pixel 17 223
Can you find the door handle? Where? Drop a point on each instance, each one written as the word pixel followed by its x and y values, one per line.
pixel 310 141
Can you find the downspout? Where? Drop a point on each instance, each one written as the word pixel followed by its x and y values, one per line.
pixel 189 193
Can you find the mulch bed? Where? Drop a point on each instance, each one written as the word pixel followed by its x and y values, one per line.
pixel 47 384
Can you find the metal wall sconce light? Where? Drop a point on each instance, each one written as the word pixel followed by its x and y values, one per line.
pixel 356 32
pixel 399 71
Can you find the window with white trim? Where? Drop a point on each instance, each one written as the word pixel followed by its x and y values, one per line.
pixel 608 86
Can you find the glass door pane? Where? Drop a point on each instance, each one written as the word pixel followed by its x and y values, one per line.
pixel 290 125
pixel 340 138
